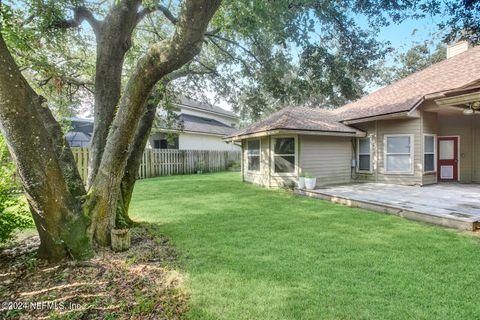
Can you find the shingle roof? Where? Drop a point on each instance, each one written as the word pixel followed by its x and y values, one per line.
pixel 299 118
pixel 205 125
pixel 83 128
pixel 183 100
pixel 456 72
pixel 80 133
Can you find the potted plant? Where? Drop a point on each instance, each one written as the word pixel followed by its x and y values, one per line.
pixel 310 181
pixel 301 181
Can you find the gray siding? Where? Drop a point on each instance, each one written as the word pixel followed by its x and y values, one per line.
pixel 261 177
pixel 404 126
pixel 377 131
pixel 370 129
pixel 466 127
pixel 327 158
pixel 429 126
pixel 476 146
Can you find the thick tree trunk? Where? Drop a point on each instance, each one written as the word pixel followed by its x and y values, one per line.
pixel 137 148
pixel 160 60
pixel 133 164
pixel 44 165
pixel 114 39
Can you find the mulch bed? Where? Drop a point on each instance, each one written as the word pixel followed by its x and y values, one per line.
pixel 140 283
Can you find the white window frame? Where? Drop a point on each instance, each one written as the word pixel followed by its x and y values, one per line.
pixel 434 152
pixel 259 157
pixel 371 155
pixel 272 157
pixel 412 155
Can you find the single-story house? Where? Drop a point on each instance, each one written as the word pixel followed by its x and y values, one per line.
pixel 204 127
pixel 420 130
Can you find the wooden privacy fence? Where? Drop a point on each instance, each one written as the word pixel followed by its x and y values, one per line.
pixel 166 162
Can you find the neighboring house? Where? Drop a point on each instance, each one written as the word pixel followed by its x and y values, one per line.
pixel 204 127
pixel 80 133
pixel 420 130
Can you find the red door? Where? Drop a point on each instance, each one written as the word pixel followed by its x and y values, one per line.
pixel 447 165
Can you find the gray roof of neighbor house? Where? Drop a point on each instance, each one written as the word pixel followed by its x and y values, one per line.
pixel 204 125
pixel 460 71
pixel 185 101
pixel 299 118
pixel 81 132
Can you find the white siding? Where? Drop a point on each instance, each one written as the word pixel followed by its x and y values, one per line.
pixel 190 141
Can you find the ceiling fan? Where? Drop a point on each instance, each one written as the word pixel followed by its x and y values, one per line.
pixel 472 108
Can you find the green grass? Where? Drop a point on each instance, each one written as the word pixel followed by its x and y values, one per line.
pixel 253 253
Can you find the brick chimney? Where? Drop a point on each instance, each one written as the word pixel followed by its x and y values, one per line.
pixel 457 48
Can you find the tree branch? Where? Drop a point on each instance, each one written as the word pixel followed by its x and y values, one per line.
pixel 80 14
pixel 216 36
pixel 161 59
pixel 245 64
pixel 167 13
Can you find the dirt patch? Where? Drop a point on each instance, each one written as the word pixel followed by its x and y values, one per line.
pixel 140 283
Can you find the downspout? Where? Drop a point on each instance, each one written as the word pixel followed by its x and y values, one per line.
pixel 270 169
pixel 422 139
pixel 376 151
pixel 242 161
pixel 474 152
pixel 353 172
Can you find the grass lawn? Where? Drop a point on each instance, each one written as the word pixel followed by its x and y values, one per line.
pixel 253 253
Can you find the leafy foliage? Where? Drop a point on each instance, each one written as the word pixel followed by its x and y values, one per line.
pixel 59 63
pixel 418 57
pixel 13 211
pixel 260 56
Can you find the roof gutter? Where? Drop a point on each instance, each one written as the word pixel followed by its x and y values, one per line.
pixel 357 133
pixel 387 116
pixel 207 111
pixel 155 130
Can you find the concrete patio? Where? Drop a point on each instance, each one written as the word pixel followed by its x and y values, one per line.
pixel 451 205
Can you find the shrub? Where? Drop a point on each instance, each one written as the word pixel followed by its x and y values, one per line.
pixel 234 165
pixel 14 214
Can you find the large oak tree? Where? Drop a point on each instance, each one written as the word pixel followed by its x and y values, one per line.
pixel 67 217
pixel 249 57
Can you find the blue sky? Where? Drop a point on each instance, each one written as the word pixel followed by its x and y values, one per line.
pixel 401 36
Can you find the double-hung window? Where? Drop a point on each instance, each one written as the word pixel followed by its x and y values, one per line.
pixel 364 155
pixel 284 155
pixel 253 155
pixel 429 153
pixel 398 153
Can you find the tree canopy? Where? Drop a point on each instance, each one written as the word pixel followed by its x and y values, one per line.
pixel 124 56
